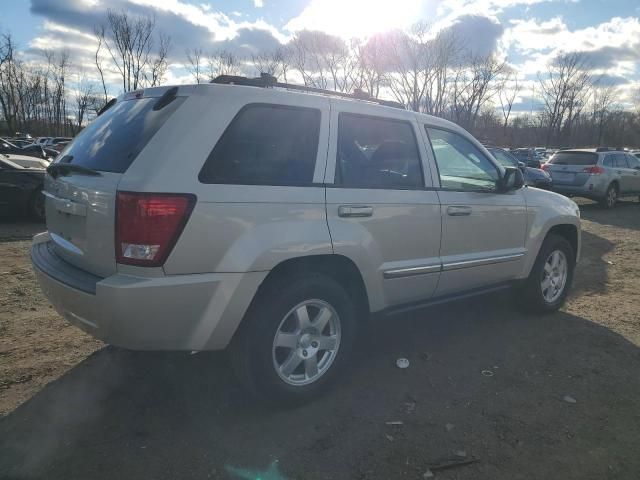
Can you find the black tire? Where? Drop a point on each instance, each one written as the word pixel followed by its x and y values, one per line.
pixel 532 289
pixel 610 198
pixel 251 349
pixel 36 206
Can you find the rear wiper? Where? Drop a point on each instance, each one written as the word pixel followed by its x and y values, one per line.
pixel 57 169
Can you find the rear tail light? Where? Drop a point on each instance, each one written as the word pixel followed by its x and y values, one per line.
pixel 148 226
pixel 595 170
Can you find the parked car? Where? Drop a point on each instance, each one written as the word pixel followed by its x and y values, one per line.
pixel 26 161
pixel 58 147
pixel 20 142
pixel 53 141
pixel 279 220
pixel 533 177
pixel 528 156
pixel 21 190
pixel 32 150
pixel 41 140
pixel 598 174
pixel 540 152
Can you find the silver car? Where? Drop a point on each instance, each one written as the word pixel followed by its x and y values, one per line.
pixel 604 175
pixel 272 221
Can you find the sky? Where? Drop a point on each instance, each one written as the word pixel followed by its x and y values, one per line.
pixel 527 33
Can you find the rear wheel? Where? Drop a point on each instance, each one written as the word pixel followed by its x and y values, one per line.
pixel 551 276
pixel 611 197
pixel 295 339
pixel 36 206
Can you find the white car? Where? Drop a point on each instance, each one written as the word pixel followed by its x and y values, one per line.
pixel 27 161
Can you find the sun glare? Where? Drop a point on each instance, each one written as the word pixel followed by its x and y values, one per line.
pixel 357 18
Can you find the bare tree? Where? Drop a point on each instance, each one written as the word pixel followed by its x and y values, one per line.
pixel 84 97
pixel 130 40
pixel 275 63
pixel 159 64
pixel 564 91
pixel 603 99
pixel 195 67
pixel 507 94
pixel 223 62
pixel 98 31
pixel 473 85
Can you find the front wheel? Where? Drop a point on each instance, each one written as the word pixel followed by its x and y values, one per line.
pixel 295 339
pixel 551 276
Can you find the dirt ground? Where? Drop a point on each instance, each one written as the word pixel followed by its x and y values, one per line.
pixel 485 381
pixel 36 345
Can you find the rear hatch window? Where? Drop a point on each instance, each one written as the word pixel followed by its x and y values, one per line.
pixel 574 158
pixel 114 139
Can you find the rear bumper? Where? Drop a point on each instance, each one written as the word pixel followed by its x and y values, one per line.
pixel 590 189
pixel 176 312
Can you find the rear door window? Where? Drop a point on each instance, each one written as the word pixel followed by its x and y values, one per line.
pixel 621 160
pixel 377 153
pixel 574 158
pixel 266 145
pixel 114 139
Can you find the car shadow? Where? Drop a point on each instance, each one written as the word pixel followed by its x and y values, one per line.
pixel 15 229
pixel 591 273
pixel 525 396
pixel 626 214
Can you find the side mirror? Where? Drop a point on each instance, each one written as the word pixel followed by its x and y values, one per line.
pixel 522 165
pixel 513 179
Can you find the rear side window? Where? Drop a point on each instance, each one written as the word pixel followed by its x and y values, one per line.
pixel 377 153
pixel 266 145
pixel 574 158
pixel 114 139
pixel 621 160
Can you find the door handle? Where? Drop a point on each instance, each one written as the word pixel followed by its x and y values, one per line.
pixel 355 211
pixel 459 211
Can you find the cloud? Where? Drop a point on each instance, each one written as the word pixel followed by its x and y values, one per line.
pixel 611 48
pixel 606 80
pixel 478 34
pixel 356 18
pixel 258 3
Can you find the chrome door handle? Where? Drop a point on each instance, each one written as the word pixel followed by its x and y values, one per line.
pixel 355 211
pixel 459 211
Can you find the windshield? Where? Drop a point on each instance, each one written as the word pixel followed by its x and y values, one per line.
pixel 574 158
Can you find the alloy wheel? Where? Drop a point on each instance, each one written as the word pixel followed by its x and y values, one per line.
pixel 554 276
pixel 306 342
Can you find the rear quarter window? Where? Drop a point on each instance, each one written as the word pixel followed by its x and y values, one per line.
pixel 266 145
pixel 574 158
pixel 114 139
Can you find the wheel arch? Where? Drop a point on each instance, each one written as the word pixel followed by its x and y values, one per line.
pixel 338 267
pixel 570 233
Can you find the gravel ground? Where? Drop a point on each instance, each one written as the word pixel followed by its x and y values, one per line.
pixel 518 396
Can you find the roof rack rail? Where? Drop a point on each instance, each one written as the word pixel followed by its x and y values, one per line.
pixel 609 149
pixel 265 81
